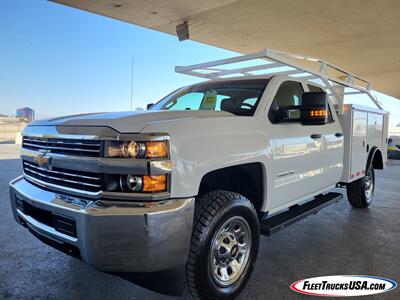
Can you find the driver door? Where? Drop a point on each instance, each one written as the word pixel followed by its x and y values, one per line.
pixel 297 155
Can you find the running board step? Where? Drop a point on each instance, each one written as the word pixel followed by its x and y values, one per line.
pixel 296 213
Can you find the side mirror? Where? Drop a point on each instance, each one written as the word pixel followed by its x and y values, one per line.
pixel 314 108
pixel 149 106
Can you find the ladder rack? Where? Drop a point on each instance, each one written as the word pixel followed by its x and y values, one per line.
pixel 271 62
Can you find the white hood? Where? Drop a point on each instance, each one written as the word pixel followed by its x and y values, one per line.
pixel 129 122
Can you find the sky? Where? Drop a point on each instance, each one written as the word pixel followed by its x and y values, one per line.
pixel 60 60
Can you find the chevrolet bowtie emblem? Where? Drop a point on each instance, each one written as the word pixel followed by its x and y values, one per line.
pixel 43 161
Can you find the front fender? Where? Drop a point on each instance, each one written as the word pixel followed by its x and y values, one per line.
pixel 199 146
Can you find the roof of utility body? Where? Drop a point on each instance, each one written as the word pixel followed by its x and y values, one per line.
pixel 362 36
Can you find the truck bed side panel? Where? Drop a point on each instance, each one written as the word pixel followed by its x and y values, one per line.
pixel 364 128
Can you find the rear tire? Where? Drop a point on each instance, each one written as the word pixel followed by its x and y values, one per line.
pixel 224 246
pixel 361 191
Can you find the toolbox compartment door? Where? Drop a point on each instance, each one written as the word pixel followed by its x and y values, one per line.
pixel 375 129
pixel 359 144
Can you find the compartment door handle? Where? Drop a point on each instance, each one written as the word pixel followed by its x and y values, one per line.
pixel 316 136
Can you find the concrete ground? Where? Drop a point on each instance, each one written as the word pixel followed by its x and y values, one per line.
pixel 338 240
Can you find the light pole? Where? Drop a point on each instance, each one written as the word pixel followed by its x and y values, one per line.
pixel 133 59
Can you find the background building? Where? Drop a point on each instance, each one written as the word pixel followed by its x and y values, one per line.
pixel 26 113
pixel 11 127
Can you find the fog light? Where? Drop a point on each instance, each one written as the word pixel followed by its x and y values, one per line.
pixel 131 183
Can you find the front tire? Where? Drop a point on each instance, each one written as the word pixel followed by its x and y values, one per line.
pixel 224 246
pixel 361 191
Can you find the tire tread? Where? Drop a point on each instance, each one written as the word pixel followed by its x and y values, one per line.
pixel 356 193
pixel 206 208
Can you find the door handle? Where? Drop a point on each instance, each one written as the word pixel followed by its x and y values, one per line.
pixel 339 134
pixel 316 136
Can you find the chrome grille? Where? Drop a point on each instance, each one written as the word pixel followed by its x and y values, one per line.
pixel 86 181
pixel 64 146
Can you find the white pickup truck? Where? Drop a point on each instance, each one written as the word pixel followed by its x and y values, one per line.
pixel 196 178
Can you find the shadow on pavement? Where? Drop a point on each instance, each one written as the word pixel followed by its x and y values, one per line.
pixel 170 282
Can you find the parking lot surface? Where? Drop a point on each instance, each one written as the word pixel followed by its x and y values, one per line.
pixel 337 240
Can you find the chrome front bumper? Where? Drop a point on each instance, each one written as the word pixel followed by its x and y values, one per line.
pixel 112 236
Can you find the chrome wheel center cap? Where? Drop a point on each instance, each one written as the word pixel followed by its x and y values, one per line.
pixel 234 251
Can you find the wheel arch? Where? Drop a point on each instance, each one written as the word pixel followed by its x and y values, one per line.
pixel 247 179
pixel 375 158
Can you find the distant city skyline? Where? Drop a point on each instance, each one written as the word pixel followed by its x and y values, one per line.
pixel 60 60
pixel 26 113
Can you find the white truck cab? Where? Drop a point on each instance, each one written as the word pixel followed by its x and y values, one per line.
pixel 196 178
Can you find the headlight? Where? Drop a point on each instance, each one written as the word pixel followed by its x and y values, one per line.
pixel 134 149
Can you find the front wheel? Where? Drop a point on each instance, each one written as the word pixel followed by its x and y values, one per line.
pixel 224 246
pixel 361 191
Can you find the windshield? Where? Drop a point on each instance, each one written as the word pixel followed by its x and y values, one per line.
pixel 239 97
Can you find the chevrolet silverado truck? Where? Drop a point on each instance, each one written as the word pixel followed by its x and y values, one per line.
pixel 194 180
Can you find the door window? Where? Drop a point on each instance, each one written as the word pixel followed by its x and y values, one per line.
pixel 286 104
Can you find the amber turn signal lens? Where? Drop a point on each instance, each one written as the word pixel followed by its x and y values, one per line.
pixel 318 113
pixel 156 149
pixel 154 183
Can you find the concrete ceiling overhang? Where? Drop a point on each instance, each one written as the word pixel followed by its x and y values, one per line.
pixel 361 36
